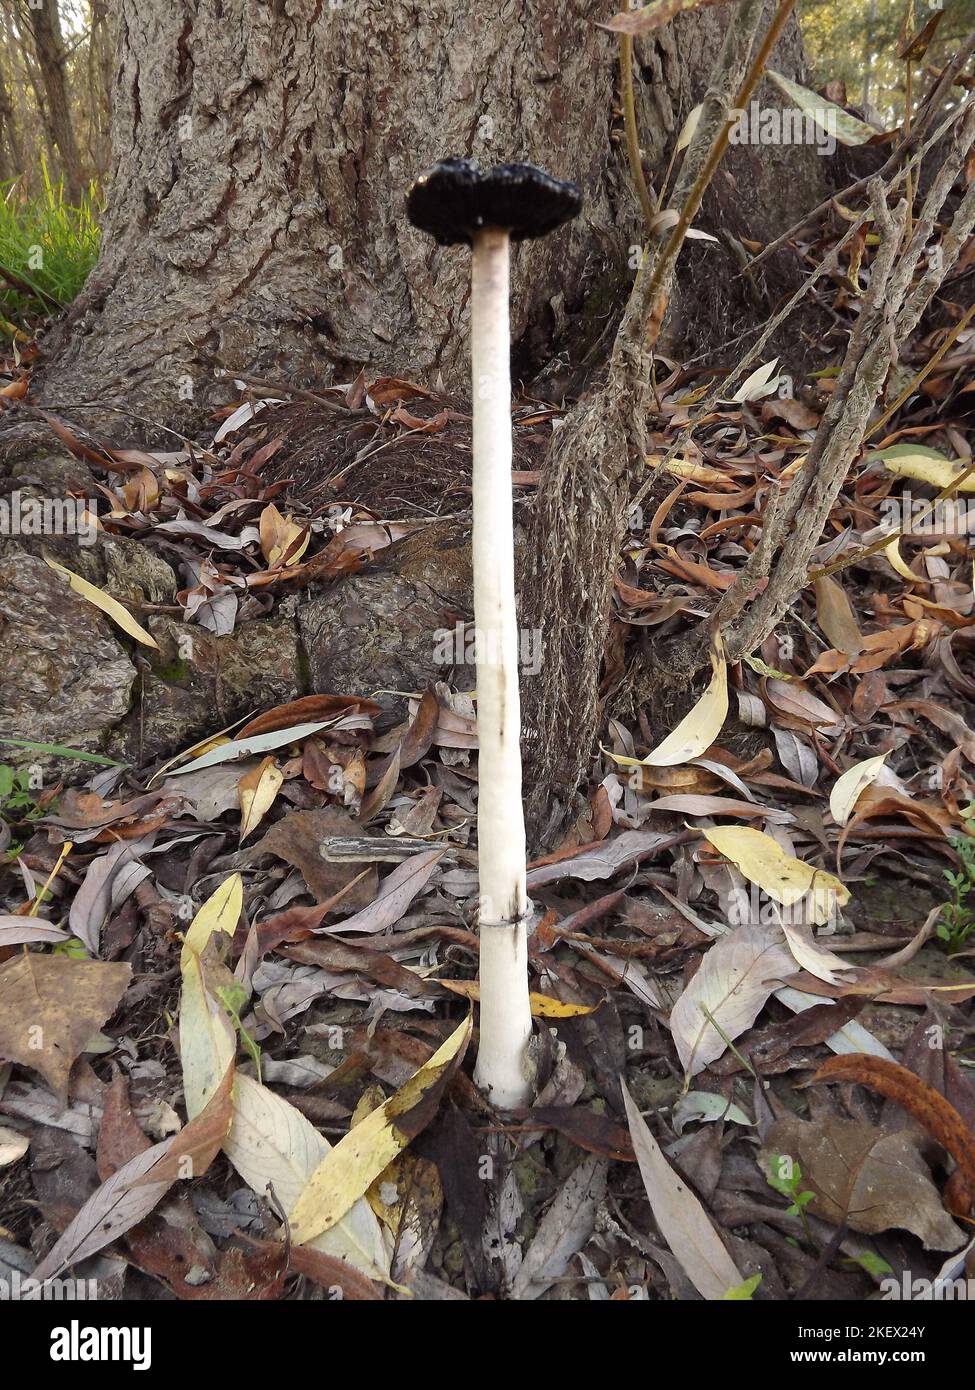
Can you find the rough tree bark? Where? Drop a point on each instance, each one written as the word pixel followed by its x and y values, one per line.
pixel 580 518
pixel 101 45
pixel 261 155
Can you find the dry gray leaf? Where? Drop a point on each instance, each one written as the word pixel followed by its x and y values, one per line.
pixel 19 931
pixel 734 980
pixel 603 862
pixel 563 1230
pixel 682 1221
pixel 396 892
pixel 95 898
pixel 212 790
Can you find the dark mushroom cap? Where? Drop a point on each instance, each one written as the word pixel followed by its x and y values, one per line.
pixel 455 199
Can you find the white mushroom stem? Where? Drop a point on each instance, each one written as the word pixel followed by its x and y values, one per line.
pixel 502 1070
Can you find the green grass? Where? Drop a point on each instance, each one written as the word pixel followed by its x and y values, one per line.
pixel 49 245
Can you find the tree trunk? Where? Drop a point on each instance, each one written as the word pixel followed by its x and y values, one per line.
pixel 8 124
pixel 9 144
pixel 45 25
pixel 101 45
pixel 261 155
pixel 18 38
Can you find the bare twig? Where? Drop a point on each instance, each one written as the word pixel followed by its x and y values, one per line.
pixel 651 293
pixel 632 134
pixel 829 263
pixel 828 458
pixel 910 142
pixel 891 311
pixel 946 493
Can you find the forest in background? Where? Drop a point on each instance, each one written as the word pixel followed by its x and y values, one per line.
pixel 55 84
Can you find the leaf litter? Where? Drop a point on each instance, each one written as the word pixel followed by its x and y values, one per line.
pixel 242 978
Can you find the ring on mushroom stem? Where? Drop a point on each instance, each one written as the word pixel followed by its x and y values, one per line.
pixel 456 202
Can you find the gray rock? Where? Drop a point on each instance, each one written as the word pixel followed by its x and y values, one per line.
pixel 198 683
pixel 378 630
pixel 70 676
pixel 65 677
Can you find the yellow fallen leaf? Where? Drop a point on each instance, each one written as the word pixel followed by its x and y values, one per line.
pixel 542 1005
pixel 847 787
pixel 923 465
pixel 785 879
pixel 275 1149
pixel 689 127
pixel 280 536
pixel 349 1169
pixel 141 491
pixel 108 605
pixel 257 790
pixel 897 561
pixel 693 472
pixel 220 912
pixel 207 1040
pixel 271 1144
pixel 697 731
pixel 834 612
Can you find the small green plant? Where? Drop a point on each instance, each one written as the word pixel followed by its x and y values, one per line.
pixel 48 245
pixel 957 921
pixel 784 1176
pixel 742 1293
pixel 73 949
pixel 233 998
pixel 870 1261
pixel 18 806
pixel 17 799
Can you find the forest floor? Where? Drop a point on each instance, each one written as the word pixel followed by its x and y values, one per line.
pixel 766 934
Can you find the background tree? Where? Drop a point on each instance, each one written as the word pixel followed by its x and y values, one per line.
pixel 11 150
pixel 55 66
pixel 43 23
pixel 856 43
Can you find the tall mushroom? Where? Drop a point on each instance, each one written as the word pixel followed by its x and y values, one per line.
pixel 455 202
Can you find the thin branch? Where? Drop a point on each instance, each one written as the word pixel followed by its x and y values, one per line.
pixel 826 460
pixel 653 297
pixel 830 262
pixel 632 133
pixel 910 142
pixel 838 439
pixel 846 420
